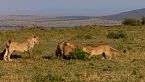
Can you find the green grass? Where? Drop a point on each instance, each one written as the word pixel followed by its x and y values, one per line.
pixel 44 67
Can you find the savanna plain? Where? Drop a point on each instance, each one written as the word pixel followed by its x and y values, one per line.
pixel 44 66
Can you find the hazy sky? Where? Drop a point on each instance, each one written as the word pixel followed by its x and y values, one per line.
pixel 68 7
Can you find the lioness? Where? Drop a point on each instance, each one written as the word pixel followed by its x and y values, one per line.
pixel 104 50
pixel 64 49
pixel 59 49
pixel 12 46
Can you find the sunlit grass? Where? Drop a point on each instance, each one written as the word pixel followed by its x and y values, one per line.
pixel 43 66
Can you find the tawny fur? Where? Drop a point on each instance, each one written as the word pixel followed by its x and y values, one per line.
pixel 105 50
pixel 59 49
pixel 12 46
pixel 64 49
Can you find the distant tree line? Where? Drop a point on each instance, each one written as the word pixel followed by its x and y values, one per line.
pixel 134 22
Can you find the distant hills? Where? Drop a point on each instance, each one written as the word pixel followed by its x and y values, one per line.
pixel 138 13
pixel 17 21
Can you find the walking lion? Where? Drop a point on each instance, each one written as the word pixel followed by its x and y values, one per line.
pixel 104 50
pixel 23 46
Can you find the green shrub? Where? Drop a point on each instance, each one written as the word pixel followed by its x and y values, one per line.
pixel 143 20
pixel 131 22
pixel 117 35
pixel 79 54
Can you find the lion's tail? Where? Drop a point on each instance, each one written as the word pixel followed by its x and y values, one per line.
pixel 5 51
pixel 113 49
pixel 118 51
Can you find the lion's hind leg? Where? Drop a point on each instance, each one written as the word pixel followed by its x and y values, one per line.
pixel 91 54
pixel 9 54
pixel 110 56
pixel 104 56
pixel 5 54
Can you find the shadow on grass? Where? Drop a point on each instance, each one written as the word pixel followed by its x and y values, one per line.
pixel 47 57
pixel 15 56
pixel 2 54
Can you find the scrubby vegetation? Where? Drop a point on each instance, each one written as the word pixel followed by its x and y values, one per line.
pixel 131 22
pixel 117 35
pixel 43 66
pixel 79 54
pixel 143 21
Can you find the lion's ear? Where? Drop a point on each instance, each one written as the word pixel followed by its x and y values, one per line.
pixel 67 43
pixel 38 36
pixel 35 36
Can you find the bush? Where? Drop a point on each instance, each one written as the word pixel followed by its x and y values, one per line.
pixel 131 22
pixel 117 35
pixel 143 20
pixel 79 54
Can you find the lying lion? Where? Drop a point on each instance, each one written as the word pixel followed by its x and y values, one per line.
pixel 104 50
pixel 12 46
pixel 64 49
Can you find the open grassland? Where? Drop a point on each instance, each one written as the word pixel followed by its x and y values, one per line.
pixel 43 66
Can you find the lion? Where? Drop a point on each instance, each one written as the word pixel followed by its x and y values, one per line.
pixel 59 49
pixel 23 46
pixel 64 49
pixel 104 50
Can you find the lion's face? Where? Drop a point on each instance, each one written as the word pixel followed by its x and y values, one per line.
pixel 71 45
pixel 59 49
pixel 35 39
pixel 60 46
pixel 64 48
